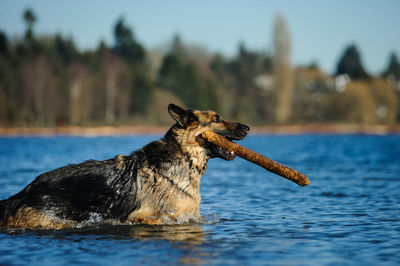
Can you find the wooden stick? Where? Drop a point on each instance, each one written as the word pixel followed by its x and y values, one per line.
pixel 257 158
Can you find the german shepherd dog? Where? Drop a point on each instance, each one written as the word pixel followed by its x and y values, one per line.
pixel 158 184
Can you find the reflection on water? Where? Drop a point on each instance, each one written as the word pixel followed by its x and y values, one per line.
pixel 184 233
pixel 192 234
pixel 184 237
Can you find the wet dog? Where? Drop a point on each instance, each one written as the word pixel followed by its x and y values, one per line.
pixel 158 184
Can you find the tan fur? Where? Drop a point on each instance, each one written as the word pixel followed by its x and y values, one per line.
pixel 27 217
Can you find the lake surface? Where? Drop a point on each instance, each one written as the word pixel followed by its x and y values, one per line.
pixel 348 215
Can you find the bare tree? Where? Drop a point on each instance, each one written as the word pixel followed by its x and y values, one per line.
pixel 79 100
pixel 283 74
pixel 3 105
pixel 113 67
pixel 39 98
pixel 117 79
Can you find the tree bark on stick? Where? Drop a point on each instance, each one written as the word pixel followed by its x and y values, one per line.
pixel 257 158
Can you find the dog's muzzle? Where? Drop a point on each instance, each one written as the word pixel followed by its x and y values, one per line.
pixel 238 132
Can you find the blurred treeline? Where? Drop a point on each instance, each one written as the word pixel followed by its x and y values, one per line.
pixel 47 81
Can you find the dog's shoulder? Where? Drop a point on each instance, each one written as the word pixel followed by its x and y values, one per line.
pixel 156 152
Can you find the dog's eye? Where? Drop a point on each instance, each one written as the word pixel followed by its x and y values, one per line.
pixel 216 119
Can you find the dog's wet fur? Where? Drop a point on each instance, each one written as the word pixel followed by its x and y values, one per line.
pixel 158 184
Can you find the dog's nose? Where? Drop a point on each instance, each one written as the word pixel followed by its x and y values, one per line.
pixel 244 127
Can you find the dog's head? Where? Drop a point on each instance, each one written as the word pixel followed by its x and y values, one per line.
pixel 191 123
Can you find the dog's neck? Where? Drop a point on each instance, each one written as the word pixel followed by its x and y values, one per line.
pixel 186 140
pixel 194 157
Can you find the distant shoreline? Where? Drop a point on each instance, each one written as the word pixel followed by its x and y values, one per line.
pixel 159 130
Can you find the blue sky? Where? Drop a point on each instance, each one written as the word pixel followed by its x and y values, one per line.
pixel 320 30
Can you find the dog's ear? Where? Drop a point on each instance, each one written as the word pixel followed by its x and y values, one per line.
pixel 180 115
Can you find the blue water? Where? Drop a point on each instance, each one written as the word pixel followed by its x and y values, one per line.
pixel 349 215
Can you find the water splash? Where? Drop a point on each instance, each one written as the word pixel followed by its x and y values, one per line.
pixel 94 218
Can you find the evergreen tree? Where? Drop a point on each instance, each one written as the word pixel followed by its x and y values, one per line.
pixel 65 49
pixel 169 70
pixel 3 44
pixel 134 54
pixel 393 69
pixel 30 47
pixel 245 69
pixel 126 45
pixel 7 82
pixel 182 76
pixel 217 65
pixel 30 19
pixel 177 48
pixel 350 64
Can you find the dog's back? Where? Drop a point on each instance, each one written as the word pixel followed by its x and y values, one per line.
pixel 71 194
